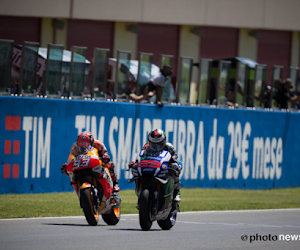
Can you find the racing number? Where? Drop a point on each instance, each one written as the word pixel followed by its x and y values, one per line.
pixel 81 163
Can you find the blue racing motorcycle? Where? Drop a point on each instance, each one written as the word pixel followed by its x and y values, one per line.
pixel 154 186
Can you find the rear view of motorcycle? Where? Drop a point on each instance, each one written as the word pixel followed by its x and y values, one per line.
pixel 92 182
pixel 154 187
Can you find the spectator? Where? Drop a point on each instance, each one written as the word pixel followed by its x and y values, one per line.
pixel 285 95
pixel 100 90
pixel 130 92
pixel 126 87
pixel 296 91
pixel 15 79
pixel 277 86
pixel 86 92
pixel 38 82
pixel 264 96
pixel 110 89
pixel 228 100
pixel 157 84
pixel 40 87
pixel 127 74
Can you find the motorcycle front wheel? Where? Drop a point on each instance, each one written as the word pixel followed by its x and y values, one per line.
pixel 89 206
pixel 145 210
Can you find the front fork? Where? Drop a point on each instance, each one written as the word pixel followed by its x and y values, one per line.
pixel 154 191
pixel 87 185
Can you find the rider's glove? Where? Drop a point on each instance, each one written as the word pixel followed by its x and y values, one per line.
pixel 63 169
pixel 175 167
pixel 105 158
pixel 131 164
pixel 111 166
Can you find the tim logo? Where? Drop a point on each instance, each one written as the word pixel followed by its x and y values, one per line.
pixel 36 150
pixel 12 123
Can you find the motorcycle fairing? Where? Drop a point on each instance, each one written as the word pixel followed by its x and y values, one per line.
pixel 152 172
pixel 91 160
pixel 152 164
pixel 85 185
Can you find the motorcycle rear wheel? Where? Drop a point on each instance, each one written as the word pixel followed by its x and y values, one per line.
pixel 168 223
pixel 145 210
pixel 88 205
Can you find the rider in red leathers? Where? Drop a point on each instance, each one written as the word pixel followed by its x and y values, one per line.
pixel 102 152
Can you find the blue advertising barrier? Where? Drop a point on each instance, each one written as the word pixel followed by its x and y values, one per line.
pixel 218 147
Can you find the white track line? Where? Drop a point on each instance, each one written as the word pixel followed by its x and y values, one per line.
pixel 192 212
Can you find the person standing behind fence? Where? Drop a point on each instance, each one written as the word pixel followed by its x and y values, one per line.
pixel 285 95
pixel 157 84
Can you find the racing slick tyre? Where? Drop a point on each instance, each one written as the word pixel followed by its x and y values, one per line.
pixel 145 210
pixel 113 218
pixel 167 223
pixel 89 206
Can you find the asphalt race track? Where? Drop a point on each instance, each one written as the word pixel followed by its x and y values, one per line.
pixel 251 229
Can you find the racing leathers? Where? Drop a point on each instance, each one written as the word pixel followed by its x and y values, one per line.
pixel 102 152
pixel 173 165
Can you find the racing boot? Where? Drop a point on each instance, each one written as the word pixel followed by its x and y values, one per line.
pixel 176 194
pixel 114 177
pixel 116 187
pixel 176 198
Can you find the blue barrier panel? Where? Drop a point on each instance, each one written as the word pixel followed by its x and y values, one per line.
pixel 222 148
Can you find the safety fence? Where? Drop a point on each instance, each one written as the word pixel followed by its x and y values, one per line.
pixel 32 71
pixel 219 147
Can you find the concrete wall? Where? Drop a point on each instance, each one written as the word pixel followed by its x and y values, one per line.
pixel 256 14
pixel 295 49
pixel 124 40
pixel 61 34
pixel 49 35
pixel 247 45
pixel 189 47
pixel 46 32
pixel 36 8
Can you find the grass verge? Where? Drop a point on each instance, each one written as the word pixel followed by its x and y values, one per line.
pixel 67 204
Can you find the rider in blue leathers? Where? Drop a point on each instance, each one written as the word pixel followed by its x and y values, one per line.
pixel 156 143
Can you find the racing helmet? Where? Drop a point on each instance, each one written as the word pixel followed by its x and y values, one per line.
pixel 91 138
pixel 157 140
pixel 83 142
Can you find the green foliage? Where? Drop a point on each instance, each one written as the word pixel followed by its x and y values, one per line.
pixel 67 204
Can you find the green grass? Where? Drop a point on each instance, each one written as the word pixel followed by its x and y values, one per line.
pixel 67 204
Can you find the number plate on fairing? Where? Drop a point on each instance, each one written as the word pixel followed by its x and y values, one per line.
pixel 85 161
pixel 81 163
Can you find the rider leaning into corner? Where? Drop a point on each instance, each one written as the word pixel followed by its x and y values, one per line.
pixel 157 141
pixel 85 141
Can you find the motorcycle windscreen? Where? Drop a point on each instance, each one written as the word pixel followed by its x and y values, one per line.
pixel 153 152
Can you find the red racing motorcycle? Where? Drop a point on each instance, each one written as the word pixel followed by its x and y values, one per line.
pixel 91 180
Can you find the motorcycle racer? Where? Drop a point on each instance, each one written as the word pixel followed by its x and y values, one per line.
pixel 85 142
pixel 156 143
